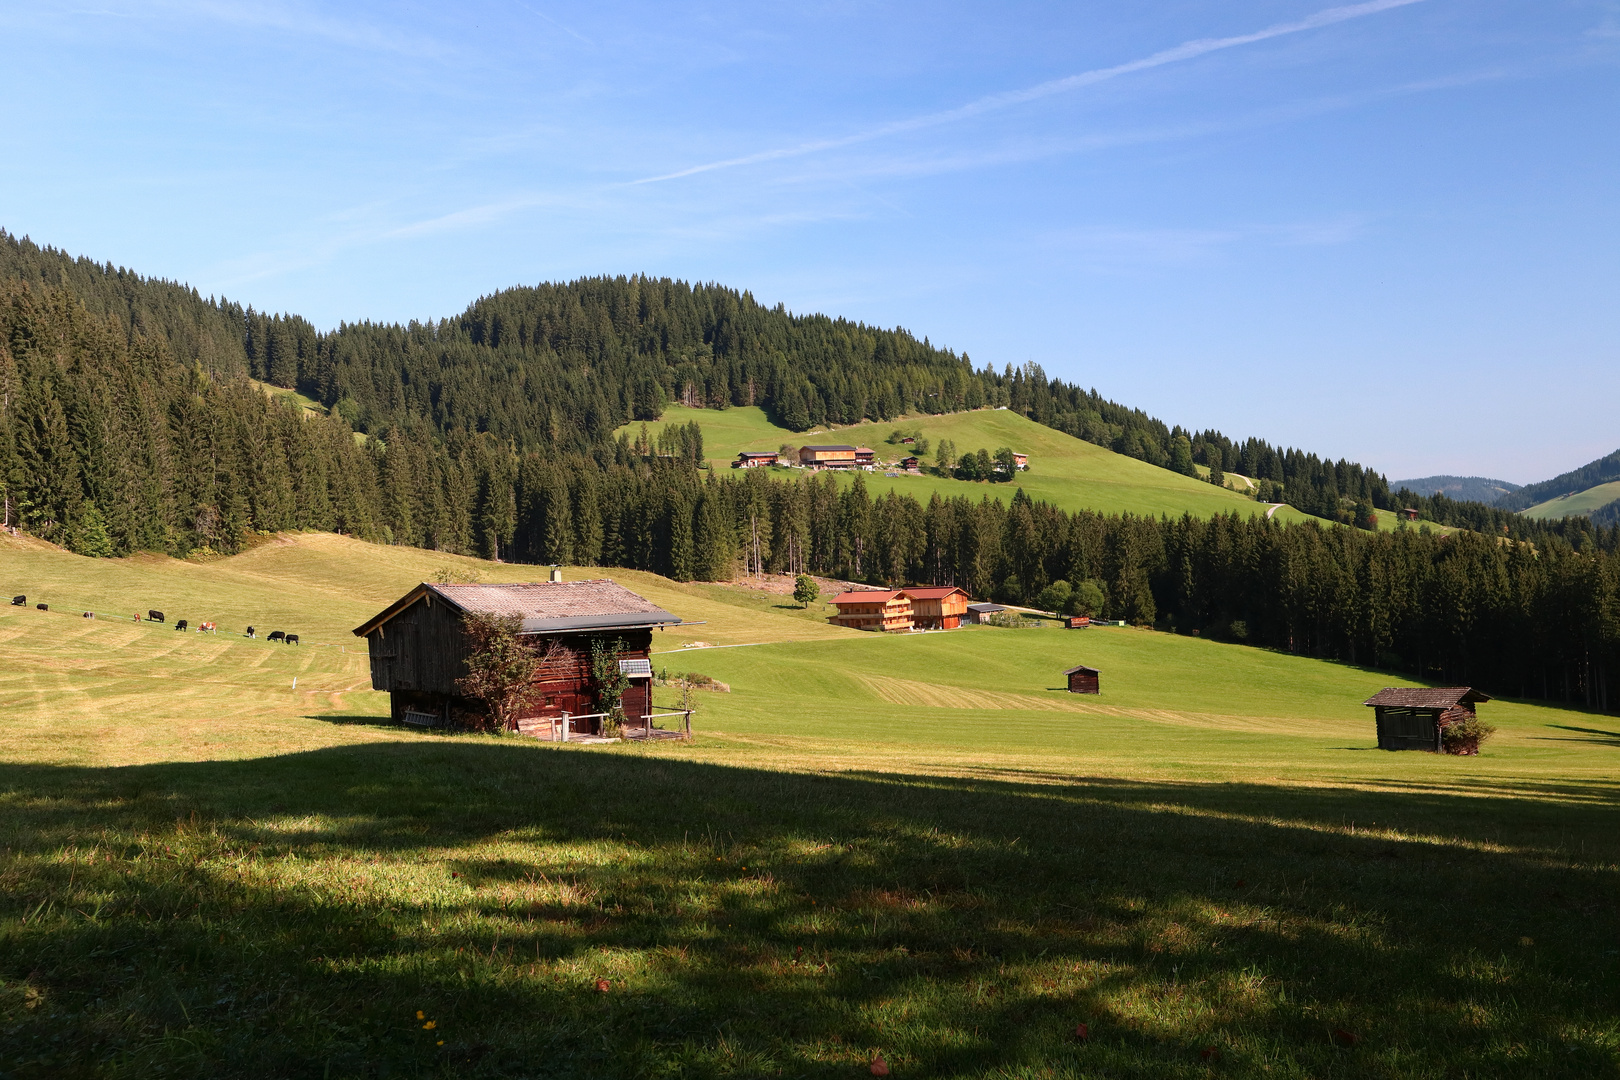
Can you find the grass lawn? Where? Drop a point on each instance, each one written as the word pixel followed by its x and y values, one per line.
pixel 1582 502
pixel 1064 471
pixel 907 846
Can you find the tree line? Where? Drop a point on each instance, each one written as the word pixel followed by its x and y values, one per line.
pixel 108 445
pixel 559 367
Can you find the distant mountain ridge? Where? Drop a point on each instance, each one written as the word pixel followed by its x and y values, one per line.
pixel 1593 473
pixel 1462 488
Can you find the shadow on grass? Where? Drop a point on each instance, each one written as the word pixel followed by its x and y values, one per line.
pixel 1602 737
pixel 291 916
pixel 357 720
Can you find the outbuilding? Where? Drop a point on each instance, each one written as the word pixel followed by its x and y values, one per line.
pixel 981 613
pixel 419 647
pixel 1416 717
pixel 1084 680
pixel 754 459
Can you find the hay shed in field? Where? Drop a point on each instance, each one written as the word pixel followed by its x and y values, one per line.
pixel 1084 680
pixel 1415 717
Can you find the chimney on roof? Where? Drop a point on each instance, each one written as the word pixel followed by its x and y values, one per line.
pixel 556 574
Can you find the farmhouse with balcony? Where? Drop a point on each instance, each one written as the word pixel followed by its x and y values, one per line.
pixel 419 647
pixel 753 459
pixel 937 607
pixel 872 609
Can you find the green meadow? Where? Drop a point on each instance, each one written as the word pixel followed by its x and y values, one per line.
pixel 1582 502
pixel 1064 471
pixel 908 846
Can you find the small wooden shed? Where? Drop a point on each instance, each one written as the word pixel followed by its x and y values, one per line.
pixel 419 648
pixel 1415 717
pixel 1084 680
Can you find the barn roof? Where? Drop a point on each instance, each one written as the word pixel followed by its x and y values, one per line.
pixel 866 596
pixel 543 606
pixel 1421 697
pixel 838 446
pixel 1082 667
pixel 989 609
pixel 933 592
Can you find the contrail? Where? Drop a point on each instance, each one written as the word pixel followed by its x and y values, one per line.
pixel 1185 51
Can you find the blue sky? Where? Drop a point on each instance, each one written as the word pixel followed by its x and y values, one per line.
pixel 1388 231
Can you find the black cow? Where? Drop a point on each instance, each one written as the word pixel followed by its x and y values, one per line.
pixel 89 614
pixel 181 625
pixel 250 631
pixel 19 601
pixel 291 639
pixel 154 616
pixel 43 607
pixel 275 635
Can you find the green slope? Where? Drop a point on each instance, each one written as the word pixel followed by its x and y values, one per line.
pixel 1064 471
pixel 1581 502
pixel 910 846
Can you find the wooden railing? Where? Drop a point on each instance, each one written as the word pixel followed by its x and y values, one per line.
pixel 558 725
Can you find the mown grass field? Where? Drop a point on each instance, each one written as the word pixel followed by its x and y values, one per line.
pixel 906 846
pixel 1064 471
pixel 1582 502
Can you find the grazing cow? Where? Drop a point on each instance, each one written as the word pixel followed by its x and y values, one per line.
pixel 181 625
pixel 154 616
pixel 89 614
pixel 137 616
pixel 43 607
pixel 291 639
pixel 205 628
pixel 250 632
pixel 19 601
pixel 275 635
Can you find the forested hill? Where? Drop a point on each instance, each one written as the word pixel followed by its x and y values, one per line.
pixel 555 368
pixel 1593 473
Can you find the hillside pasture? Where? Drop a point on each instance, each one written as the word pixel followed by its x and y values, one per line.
pixel 1580 502
pixel 912 846
pixel 1065 471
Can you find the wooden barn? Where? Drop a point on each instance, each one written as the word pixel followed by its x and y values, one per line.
pixel 872 609
pixel 827 457
pixel 1084 680
pixel 754 459
pixel 1414 717
pixel 937 607
pixel 1077 622
pixel 419 648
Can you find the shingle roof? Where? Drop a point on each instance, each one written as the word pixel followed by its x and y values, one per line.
pixel 840 446
pixel 544 606
pixel 1082 667
pixel 933 592
pixel 1422 697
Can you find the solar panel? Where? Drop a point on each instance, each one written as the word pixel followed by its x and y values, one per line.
pixel 636 669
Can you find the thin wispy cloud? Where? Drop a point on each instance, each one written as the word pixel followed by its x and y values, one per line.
pixel 990 103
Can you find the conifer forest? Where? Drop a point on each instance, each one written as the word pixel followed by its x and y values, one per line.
pixel 130 421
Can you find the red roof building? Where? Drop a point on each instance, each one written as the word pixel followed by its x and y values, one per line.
pixel 872 609
pixel 937 607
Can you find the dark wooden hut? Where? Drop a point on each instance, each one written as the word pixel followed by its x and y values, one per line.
pixel 419 647
pixel 1084 680
pixel 1415 717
